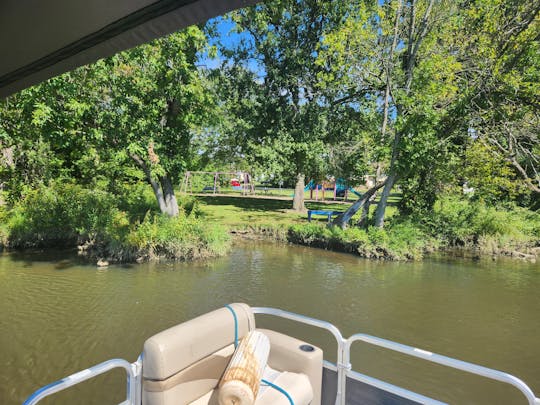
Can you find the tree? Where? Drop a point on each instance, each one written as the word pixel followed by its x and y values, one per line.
pixel 501 54
pixel 289 128
pixel 403 54
pixel 140 106
pixel 49 130
pixel 151 100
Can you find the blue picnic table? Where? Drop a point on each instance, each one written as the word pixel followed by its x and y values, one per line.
pixel 326 213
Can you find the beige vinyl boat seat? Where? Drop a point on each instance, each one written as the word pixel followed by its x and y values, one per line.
pixel 183 364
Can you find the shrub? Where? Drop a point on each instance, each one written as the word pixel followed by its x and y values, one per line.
pixel 4 233
pixel 135 199
pixel 61 214
pixel 463 222
pixel 189 204
pixel 401 241
pixel 184 237
pixel 66 214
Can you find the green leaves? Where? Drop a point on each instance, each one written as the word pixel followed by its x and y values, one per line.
pixel 41 114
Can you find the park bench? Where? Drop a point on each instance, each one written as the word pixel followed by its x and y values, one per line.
pixel 326 213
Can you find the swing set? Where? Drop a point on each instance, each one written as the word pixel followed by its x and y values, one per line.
pixel 214 182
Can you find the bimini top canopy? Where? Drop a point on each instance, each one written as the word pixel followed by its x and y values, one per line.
pixel 41 39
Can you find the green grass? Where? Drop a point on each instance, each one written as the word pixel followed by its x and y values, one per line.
pixel 453 223
pixel 238 212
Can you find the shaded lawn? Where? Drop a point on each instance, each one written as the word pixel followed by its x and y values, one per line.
pixel 239 212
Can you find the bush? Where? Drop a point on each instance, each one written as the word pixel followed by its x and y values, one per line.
pixel 461 222
pixel 184 237
pixel 59 215
pixel 398 242
pixel 66 214
pixel 4 233
pixel 189 204
pixel 136 200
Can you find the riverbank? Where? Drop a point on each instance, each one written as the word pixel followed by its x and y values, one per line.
pixel 126 227
pixel 109 228
pixel 458 225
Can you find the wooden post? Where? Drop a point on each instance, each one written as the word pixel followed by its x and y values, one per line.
pixel 215 182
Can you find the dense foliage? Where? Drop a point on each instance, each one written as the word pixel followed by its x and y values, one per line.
pixel 436 100
pixel 124 227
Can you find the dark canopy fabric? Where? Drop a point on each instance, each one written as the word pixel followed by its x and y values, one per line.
pixel 41 39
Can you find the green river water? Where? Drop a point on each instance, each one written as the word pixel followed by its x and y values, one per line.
pixel 60 315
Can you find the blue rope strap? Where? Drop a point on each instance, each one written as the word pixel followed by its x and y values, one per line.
pixel 274 386
pixel 39 391
pixel 278 388
pixel 235 325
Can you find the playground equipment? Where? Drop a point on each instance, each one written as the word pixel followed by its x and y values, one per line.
pixel 239 181
pixel 339 187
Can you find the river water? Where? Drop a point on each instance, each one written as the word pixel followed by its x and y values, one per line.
pixel 59 315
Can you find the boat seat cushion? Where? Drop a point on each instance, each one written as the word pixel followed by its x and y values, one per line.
pixel 188 360
pixel 177 348
pixel 184 364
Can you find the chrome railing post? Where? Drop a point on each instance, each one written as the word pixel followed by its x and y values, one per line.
pixel 135 382
pixel 341 366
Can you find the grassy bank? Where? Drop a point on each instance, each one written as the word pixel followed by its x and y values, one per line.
pixel 122 227
pixel 125 226
pixel 453 224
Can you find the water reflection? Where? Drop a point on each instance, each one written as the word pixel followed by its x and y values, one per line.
pixel 60 315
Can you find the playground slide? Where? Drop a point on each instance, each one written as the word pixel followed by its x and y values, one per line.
pixel 341 186
pixel 309 186
pixel 352 190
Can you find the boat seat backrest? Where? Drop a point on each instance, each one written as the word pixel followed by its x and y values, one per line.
pixel 187 360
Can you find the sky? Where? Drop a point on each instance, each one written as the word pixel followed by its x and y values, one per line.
pixel 226 37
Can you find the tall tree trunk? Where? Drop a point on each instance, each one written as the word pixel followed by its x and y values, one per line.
pixel 163 189
pixel 343 220
pixel 390 181
pixel 381 207
pixel 383 202
pixel 298 199
pixel 414 40
pixel 364 217
pixel 171 204
pixel 389 68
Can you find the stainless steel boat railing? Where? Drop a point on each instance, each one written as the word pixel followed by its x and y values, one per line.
pixel 443 360
pixel 133 390
pixel 343 367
